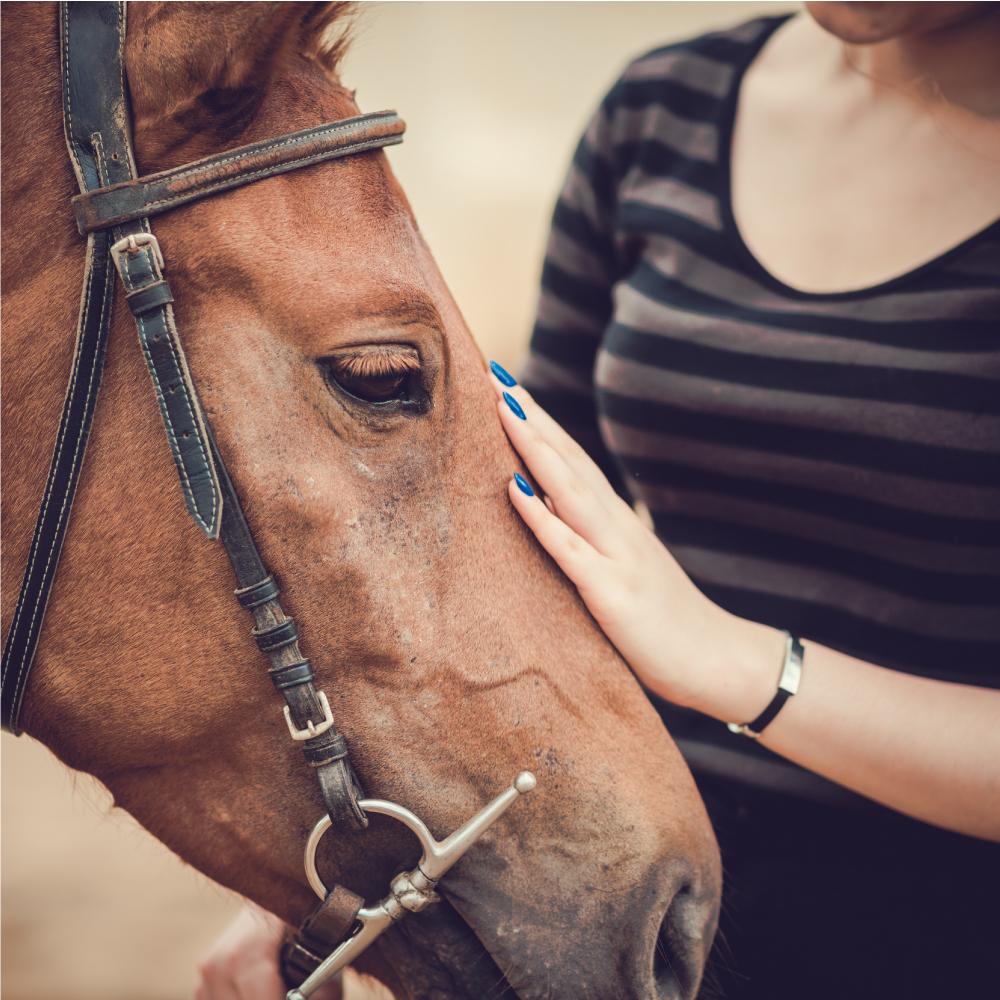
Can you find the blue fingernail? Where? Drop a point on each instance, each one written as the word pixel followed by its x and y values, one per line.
pixel 523 485
pixel 504 377
pixel 515 406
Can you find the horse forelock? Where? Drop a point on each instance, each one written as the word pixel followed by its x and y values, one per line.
pixel 206 67
pixel 326 33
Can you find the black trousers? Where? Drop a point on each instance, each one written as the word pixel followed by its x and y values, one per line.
pixel 826 902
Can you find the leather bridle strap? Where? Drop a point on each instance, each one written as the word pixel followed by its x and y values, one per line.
pixel 168 189
pixel 96 120
pixel 113 210
pixel 92 170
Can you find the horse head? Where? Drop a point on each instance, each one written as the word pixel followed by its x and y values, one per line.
pixel 353 411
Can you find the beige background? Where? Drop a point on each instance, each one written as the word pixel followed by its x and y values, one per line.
pixel 495 96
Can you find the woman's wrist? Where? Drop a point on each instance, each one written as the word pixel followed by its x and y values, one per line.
pixel 740 664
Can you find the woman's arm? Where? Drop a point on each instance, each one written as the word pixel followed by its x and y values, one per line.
pixel 927 748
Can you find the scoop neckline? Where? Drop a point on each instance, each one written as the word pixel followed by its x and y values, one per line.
pixel 732 228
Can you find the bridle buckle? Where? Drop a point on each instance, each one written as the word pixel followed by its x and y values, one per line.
pixel 312 728
pixel 133 243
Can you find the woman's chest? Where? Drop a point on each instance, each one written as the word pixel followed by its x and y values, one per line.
pixel 892 400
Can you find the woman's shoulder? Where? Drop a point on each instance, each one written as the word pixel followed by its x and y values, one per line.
pixel 668 110
pixel 689 75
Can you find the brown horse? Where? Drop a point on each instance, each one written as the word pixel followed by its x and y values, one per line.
pixel 453 652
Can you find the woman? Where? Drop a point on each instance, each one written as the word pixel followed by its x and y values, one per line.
pixel 771 313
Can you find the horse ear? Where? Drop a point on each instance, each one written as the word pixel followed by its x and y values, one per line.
pixel 196 67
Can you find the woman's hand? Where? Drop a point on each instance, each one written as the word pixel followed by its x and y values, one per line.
pixel 680 644
pixel 928 748
pixel 243 963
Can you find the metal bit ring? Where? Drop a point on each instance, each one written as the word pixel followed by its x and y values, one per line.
pixel 410 891
pixel 381 806
pixel 434 852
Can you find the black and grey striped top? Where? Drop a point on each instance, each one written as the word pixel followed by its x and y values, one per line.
pixel 829 464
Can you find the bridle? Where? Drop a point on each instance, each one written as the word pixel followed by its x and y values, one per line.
pixel 113 211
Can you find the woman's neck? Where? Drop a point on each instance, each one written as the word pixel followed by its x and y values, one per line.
pixel 957 63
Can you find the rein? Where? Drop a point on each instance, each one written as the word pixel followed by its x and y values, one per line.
pixel 113 211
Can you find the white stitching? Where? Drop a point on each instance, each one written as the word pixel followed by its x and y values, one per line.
pixel 67 91
pixel 173 339
pixel 171 433
pixel 210 184
pixel 99 159
pixel 264 171
pixel 62 433
pixel 189 194
pixel 186 395
pixel 77 453
pixel 121 70
pixel 290 141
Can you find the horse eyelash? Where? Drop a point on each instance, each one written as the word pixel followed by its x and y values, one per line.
pixel 375 364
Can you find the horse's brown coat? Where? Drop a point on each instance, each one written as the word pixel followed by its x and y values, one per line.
pixel 452 651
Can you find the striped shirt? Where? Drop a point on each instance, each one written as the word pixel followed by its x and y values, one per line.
pixel 823 463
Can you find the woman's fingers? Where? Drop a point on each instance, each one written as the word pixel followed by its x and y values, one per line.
pixel 243 963
pixel 570 451
pixel 573 554
pixel 571 498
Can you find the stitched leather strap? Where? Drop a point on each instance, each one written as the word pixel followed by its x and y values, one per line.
pixel 150 299
pixel 258 592
pixel 96 120
pixel 163 191
pixel 322 931
pixel 60 486
pixel 82 115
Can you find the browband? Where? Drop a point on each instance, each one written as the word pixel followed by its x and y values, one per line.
pixel 160 192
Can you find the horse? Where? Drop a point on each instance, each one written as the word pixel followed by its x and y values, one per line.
pixel 453 651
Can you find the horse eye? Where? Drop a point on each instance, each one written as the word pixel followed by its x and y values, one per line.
pixel 376 378
pixel 373 388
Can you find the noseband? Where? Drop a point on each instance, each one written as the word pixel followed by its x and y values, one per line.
pixel 113 211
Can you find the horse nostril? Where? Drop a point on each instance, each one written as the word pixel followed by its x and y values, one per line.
pixel 677 959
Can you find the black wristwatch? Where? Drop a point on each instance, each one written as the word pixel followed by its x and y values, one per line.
pixel 788 684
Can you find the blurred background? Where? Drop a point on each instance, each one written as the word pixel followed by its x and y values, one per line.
pixel 495 95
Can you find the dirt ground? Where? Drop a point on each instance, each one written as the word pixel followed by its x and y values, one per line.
pixel 93 907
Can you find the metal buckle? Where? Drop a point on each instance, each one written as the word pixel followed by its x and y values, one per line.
pixel 132 243
pixel 312 728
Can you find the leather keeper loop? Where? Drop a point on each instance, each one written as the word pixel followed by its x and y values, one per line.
pixel 297 963
pixel 331 747
pixel 292 676
pixel 277 636
pixel 151 297
pixel 258 593
pixel 325 928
